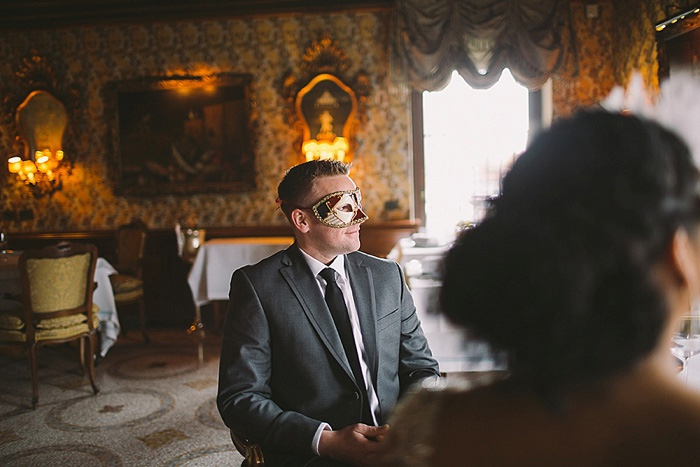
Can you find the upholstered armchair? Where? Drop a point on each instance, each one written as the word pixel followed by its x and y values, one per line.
pixel 128 284
pixel 57 287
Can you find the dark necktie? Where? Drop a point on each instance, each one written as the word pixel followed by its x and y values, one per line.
pixel 339 312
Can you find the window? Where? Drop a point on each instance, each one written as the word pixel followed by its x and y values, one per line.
pixel 469 139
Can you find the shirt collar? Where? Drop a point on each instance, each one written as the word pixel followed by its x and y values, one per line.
pixel 338 264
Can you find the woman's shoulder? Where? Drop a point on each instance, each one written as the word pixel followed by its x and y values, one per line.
pixel 419 416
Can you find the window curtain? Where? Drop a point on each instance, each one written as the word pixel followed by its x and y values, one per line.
pixel 479 38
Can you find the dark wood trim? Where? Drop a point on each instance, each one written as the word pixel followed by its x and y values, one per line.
pixel 23 14
pixel 377 237
pixel 669 31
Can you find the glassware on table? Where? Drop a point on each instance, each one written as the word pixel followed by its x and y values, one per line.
pixel 686 341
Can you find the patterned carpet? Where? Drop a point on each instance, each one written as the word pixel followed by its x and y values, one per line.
pixel 156 407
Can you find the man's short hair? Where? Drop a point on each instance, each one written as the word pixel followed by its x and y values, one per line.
pixel 298 183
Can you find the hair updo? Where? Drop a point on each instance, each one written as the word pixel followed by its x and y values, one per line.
pixel 558 274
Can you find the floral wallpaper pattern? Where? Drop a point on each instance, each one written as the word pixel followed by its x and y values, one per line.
pixel 610 47
pixel 636 46
pixel 270 47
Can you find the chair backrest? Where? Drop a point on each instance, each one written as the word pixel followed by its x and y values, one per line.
pixel 131 243
pixel 58 280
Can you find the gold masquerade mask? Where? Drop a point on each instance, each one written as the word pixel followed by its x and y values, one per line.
pixel 340 209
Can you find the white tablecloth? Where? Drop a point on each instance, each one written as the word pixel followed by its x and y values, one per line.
pixel 210 276
pixel 104 298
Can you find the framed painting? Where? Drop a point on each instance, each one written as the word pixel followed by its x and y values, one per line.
pixel 183 135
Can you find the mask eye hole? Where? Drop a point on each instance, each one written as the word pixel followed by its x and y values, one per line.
pixel 346 207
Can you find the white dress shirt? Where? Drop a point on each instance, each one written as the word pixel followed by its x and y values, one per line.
pixel 338 265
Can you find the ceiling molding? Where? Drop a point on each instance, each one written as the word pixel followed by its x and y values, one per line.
pixel 28 14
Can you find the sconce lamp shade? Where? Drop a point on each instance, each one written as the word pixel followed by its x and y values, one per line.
pixel 14 164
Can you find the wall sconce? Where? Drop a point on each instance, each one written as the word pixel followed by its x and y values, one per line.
pixel 326 107
pixel 41 120
pixel 44 174
pixel 38 108
pixel 322 105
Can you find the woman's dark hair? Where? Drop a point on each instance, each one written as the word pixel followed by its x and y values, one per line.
pixel 559 273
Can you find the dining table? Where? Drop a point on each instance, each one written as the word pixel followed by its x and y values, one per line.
pixel 216 260
pixel 103 296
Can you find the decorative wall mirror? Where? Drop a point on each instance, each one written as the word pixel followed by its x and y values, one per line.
pixel 41 121
pixel 326 107
pixel 322 105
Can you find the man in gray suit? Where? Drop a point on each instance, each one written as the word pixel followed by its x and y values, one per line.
pixel 313 385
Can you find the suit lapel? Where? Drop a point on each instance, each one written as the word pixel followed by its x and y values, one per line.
pixel 296 272
pixel 363 292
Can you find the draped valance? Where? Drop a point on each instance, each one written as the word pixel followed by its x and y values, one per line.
pixel 479 38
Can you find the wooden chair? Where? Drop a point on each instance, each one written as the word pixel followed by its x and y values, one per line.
pixel 57 286
pixel 128 284
pixel 251 452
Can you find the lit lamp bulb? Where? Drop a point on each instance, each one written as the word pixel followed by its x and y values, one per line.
pixel 309 148
pixel 29 169
pixel 44 166
pixel 59 155
pixel 14 165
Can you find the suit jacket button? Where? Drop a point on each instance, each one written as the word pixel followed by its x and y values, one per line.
pixel 357 395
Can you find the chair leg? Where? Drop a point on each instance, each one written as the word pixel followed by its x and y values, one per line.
pixel 32 366
pixel 82 355
pixel 142 319
pixel 91 361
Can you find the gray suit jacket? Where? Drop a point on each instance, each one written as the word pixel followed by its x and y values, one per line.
pixel 283 369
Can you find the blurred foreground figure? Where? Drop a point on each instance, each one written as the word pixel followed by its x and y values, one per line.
pixel 580 273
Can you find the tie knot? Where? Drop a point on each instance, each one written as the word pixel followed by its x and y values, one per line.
pixel 328 275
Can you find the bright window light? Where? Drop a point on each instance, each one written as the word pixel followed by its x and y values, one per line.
pixel 471 136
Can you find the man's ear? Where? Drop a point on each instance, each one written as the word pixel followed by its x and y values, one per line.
pixel 684 261
pixel 300 220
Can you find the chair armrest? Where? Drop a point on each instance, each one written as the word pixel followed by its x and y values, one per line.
pixel 251 451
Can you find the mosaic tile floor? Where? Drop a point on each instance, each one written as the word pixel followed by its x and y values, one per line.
pixel 156 406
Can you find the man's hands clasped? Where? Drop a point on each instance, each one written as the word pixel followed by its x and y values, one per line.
pixel 357 444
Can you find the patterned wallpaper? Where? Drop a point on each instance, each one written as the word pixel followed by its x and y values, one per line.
pixel 270 47
pixel 635 40
pixel 610 47
pixel 266 47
